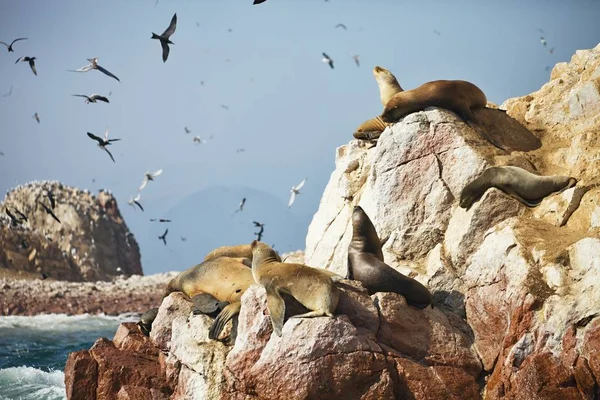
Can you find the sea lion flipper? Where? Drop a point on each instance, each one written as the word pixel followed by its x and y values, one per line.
pixel 276 307
pixel 224 316
pixel 205 303
pixel 310 314
pixel 471 120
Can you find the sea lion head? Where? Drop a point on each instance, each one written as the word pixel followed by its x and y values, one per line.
pixel 262 252
pixel 146 320
pixel 469 195
pixel 388 85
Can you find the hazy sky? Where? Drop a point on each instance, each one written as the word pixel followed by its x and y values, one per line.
pixel 286 108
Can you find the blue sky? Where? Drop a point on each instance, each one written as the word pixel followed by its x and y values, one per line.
pixel 286 108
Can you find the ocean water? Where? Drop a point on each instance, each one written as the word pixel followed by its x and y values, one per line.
pixel 33 351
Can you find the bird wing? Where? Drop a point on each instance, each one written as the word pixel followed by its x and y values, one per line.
pixel 109 153
pixel 53 215
pixel 156 173
pixel 165 50
pixel 341 26
pixel 326 56
pixel 107 72
pixel 171 29
pixel 144 183
pixel 292 198
pixel 32 65
pixel 6 44
pixel 102 98
pixel 139 205
pixel 96 138
pixel 80 95
pixel 85 68
pixel 52 201
pixel 300 185
pixel 331 63
pixel 16 40
pixel 19 59
pixel 138 197
pixel 166 231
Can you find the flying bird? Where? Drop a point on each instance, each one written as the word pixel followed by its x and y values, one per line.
pixel 163 237
pixel 260 231
pixel 183 238
pixel 50 196
pixel 328 60
pixel 294 191
pixel 240 150
pixel 23 216
pixel 149 176
pixel 14 221
pixel 36 117
pixel 160 220
pixel 49 211
pixel 258 2
pixel 356 60
pixel 185 128
pixel 549 51
pixel 31 61
pixel 94 65
pixel 102 143
pixel 10 46
pixel 341 26
pixel 543 41
pixel 135 201
pixel 224 107
pixel 437 32
pixel 197 140
pixel 164 38
pixel 241 206
pixel 9 92
pixel 93 98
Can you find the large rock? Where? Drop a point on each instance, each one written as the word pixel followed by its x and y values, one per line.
pixel 92 242
pixel 127 367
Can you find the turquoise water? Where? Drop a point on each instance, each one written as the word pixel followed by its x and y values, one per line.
pixel 33 351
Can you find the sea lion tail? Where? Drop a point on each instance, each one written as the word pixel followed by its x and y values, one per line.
pixel 224 316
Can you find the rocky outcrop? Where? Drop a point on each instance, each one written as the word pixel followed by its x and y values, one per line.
pixel 90 243
pixel 123 295
pixel 127 367
pixel 516 289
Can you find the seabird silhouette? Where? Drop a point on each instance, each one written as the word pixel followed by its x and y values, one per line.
pixel 102 143
pixel 294 191
pixel 160 220
pixel 36 117
pixel 197 140
pixel 93 98
pixel 164 38
pixel 163 237
pixel 260 231
pixel 94 65
pixel 258 2
pixel 241 206
pixel 49 211
pixel 31 61
pixel 149 176
pixel 50 196
pixel 328 60
pixel 356 60
pixel 185 128
pixel 10 46
pixel 135 201
pixel 341 26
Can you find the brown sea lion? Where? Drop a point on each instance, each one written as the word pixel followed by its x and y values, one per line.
pixel 388 87
pixel 224 279
pixel 365 264
pixel 370 129
pixel 459 96
pixel 314 289
pixel 530 189
pixel 241 250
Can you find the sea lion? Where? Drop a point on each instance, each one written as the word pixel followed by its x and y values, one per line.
pixel 388 87
pixel 365 264
pixel 454 95
pixel 146 320
pixel 225 279
pixel 530 189
pixel 370 129
pixel 314 289
pixel 241 250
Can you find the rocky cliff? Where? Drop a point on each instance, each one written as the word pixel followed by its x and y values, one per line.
pixel 91 242
pixel 516 289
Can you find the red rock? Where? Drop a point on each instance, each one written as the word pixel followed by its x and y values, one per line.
pixel 81 376
pixel 139 393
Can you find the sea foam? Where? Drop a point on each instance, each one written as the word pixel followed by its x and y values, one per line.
pixel 27 383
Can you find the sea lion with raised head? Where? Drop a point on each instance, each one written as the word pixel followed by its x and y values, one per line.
pixel 388 87
pixel 314 289
pixel 528 188
pixel 365 264
pixel 462 97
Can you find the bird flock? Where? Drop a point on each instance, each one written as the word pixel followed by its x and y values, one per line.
pixel 103 142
